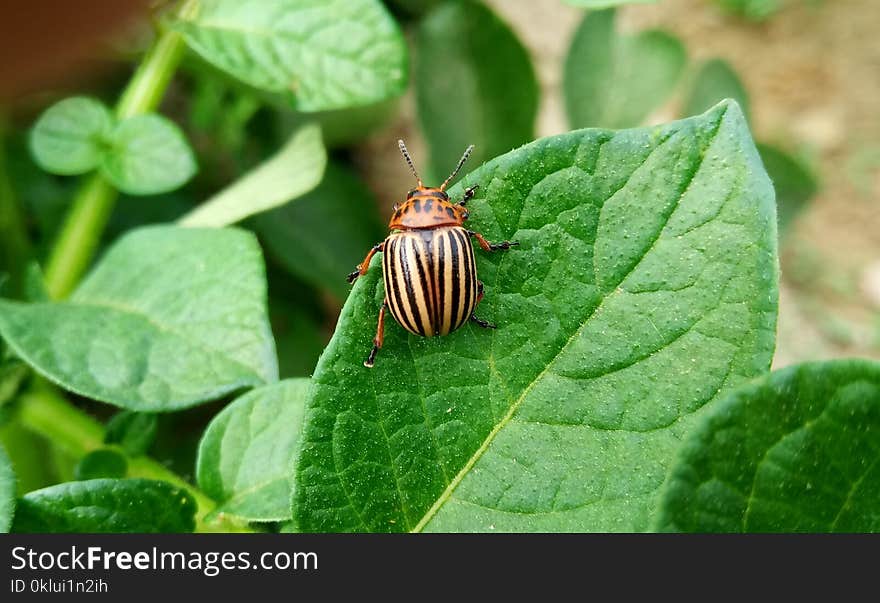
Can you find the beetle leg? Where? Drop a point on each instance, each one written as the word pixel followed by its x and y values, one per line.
pixel 468 194
pixel 379 338
pixel 483 323
pixel 362 267
pixel 487 246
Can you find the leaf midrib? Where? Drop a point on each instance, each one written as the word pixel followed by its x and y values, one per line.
pixel 447 493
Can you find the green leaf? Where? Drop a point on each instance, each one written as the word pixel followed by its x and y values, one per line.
pixel 474 85
pixel 793 180
pixel 600 4
pixel 169 318
pixel 148 154
pixel 615 81
pixel 324 54
pixel 7 492
pixel 106 506
pixel 796 451
pixel 134 432
pixel 322 236
pixel 715 81
pixel 644 287
pixel 70 136
pixel 293 171
pixel 246 455
pixel 104 462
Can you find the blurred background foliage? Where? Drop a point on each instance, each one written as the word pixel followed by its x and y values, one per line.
pixel 496 74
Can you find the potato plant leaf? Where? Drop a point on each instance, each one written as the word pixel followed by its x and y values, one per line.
pixel 106 505
pixel 169 318
pixel 148 154
pixel 323 54
pixel 246 455
pixel 70 136
pixel 645 286
pixel 796 451
pixel 614 80
pixel 474 85
pixel 7 492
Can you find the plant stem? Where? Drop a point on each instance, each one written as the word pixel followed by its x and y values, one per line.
pixel 46 412
pixel 81 232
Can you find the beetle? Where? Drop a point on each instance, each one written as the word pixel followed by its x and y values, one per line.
pixel 430 276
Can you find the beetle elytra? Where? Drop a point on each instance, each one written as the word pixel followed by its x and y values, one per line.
pixel 430 276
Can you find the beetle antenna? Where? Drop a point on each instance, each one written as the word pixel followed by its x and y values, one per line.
pixel 467 153
pixel 409 160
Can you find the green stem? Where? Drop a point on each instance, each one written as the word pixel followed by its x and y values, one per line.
pixel 81 232
pixel 44 411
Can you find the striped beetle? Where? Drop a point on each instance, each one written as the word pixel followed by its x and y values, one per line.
pixel 431 285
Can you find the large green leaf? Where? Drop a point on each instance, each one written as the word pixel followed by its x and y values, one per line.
pixel 645 286
pixel 7 491
pixel 322 236
pixel 246 455
pixel 615 81
pixel 106 505
pixel 70 137
pixel 324 54
pixel 474 85
pixel 797 451
pixel 169 318
pixel 148 154
pixel 293 171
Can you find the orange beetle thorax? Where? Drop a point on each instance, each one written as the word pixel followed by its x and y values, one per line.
pixel 427 208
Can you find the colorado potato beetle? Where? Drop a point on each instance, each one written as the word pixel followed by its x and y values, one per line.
pixel 430 276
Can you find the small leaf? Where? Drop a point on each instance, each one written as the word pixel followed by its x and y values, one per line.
pixel 600 4
pixel 246 455
pixel 615 81
pixel 474 85
pixel 7 492
pixel 148 154
pixel 69 137
pixel 793 180
pixel 106 506
pixel 645 286
pixel 169 318
pixel 796 451
pixel 322 236
pixel 715 81
pixel 133 431
pixel 325 55
pixel 290 173
pixel 101 463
